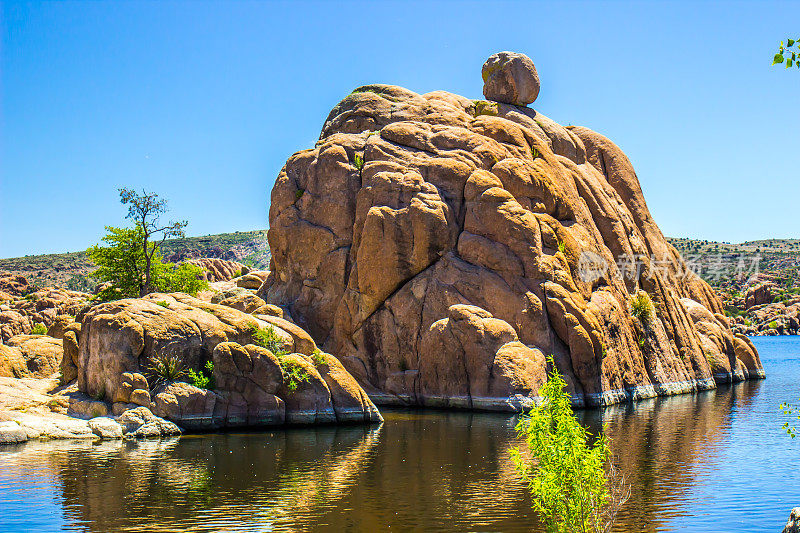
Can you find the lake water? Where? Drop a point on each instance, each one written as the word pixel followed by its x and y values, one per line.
pixel 711 462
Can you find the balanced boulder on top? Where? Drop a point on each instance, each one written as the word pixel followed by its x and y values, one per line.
pixel 510 78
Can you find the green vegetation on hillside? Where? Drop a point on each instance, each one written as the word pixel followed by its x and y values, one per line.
pixel 71 270
pixel 726 266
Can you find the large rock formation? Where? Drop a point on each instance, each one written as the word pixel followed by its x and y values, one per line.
pixel 122 344
pixel 442 247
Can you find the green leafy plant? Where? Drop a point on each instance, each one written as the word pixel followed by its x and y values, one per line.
pixel 792 410
pixel 238 273
pixel 773 324
pixel 787 54
pixel 203 379
pixel 163 303
pixel 318 358
pixel 293 374
pixel 121 265
pixel 299 193
pixel 165 368
pixel 39 329
pixel 574 485
pixel 358 161
pixel 562 247
pixel 642 307
pixel 100 395
pixel 269 339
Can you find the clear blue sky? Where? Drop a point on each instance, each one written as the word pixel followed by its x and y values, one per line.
pixel 203 102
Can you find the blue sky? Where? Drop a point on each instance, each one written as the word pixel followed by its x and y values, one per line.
pixel 203 102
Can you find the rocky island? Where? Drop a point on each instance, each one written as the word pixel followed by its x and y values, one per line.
pixel 442 247
pixel 430 250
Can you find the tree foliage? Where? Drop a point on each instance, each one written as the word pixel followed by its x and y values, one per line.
pixel 792 410
pixel 787 54
pixel 130 265
pixel 121 265
pixel 574 485
pixel 145 210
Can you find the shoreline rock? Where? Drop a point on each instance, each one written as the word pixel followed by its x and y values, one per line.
pixel 441 246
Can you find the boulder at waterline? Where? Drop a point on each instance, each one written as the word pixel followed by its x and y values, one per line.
pixel 122 342
pixel 412 204
pixel 793 525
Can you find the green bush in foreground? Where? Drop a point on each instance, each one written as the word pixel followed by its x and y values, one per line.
pixel 574 486
pixel 165 368
pixel 39 329
pixel 121 264
pixel 269 339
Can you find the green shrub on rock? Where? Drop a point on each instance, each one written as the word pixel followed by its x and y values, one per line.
pixel 269 339
pixel 642 307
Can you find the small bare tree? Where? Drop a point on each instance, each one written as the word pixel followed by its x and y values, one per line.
pixel 145 210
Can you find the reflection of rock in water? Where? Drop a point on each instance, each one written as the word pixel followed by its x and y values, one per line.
pixel 438 471
pixel 663 445
pixel 199 483
pixel 419 470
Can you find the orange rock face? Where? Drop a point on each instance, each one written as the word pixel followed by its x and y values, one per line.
pixel 441 247
pixel 215 269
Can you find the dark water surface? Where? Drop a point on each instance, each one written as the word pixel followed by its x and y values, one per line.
pixel 712 462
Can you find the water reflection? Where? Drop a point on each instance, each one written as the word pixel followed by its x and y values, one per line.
pixel 420 470
pixel 663 446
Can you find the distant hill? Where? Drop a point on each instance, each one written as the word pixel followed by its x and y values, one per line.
pixel 70 270
pixel 780 257
pixel 719 262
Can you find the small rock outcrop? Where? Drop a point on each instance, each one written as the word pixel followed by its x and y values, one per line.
pixel 215 269
pixel 15 285
pixel 123 342
pixel 45 306
pixel 510 78
pixel 30 356
pixel 442 246
pixel 760 294
pixel 793 525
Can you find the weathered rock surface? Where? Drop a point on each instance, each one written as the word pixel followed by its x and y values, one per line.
pixel 32 408
pixel 253 388
pixel 14 284
pixel 44 307
pixel 760 294
pixel 510 78
pixel 253 279
pixel 793 525
pixel 441 246
pixel 120 342
pixel 30 356
pixel 218 269
pixel 778 318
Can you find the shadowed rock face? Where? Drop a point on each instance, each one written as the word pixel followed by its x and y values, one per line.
pixel 441 247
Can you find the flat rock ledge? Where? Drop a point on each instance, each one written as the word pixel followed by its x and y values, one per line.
pixel 135 423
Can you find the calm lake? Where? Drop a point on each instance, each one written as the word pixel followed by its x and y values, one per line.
pixel 715 461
